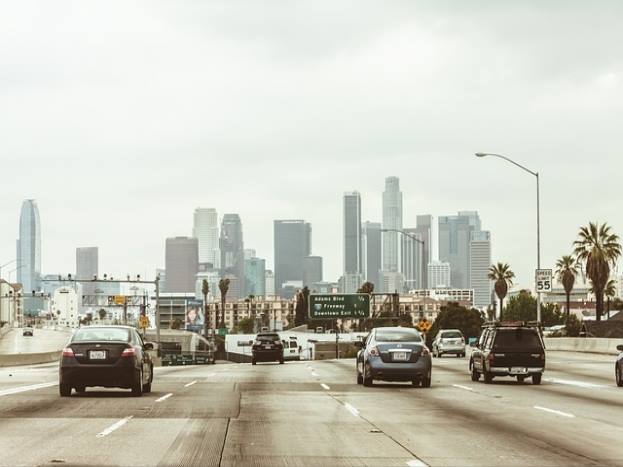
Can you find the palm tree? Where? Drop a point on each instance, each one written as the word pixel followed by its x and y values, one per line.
pixel 598 249
pixel 610 291
pixel 503 276
pixel 205 290
pixel 366 287
pixel 223 286
pixel 567 271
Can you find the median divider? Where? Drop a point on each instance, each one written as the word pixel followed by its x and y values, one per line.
pixel 29 358
pixel 583 344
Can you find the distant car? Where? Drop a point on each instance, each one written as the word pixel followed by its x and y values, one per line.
pixel 508 349
pixel 28 331
pixel 618 367
pixel 394 354
pixel 107 356
pixel 291 350
pixel 558 329
pixel 267 347
pixel 449 341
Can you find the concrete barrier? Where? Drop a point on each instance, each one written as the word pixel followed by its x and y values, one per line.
pixel 583 344
pixel 29 358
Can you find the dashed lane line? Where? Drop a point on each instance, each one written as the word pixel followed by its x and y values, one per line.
pixel 416 463
pixel 32 387
pixel 579 384
pixel 555 412
pixel 190 384
pixel 165 397
pixel 324 386
pixel 351 409
pixel 467 388
pixel 114 427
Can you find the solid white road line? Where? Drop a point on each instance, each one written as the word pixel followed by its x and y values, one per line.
pixel 32 387
pixel 462 387
pixel 114 426
pixel 164 398
pixel 190 384
pixel 579 384
pixel 556 412
pixel 324 386
pixel 416 463
pixel 351 409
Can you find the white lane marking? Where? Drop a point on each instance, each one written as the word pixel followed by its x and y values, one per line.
pixel 164 398
pixel 462 387
pixel 313 373
pixel 324 386
pixel 556 412
pixel 351 409
pixel 579 384
pixel 32 387
pixel 190 384
pixel 416 463
pixel 114 426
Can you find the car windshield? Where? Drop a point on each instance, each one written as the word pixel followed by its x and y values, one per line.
pixel 517 338
pixel 268 337
pixel 451 335
pixel 398 335
pixel 101 334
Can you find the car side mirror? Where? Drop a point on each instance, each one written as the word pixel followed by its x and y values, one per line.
pixel 620 348
pixel 149 346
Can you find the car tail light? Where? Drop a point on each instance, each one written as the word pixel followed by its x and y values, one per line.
pixel 491 358
pixel 425 351
pixel 68 352
pixel 374 351
pixel 129 352
pixel 538 355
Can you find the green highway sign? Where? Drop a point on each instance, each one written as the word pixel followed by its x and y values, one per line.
pixel 337 306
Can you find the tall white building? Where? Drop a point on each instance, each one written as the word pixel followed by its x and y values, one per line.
pixel 353 261
pixel 205 230
pixel 392 220
pixel 29 247
pixel 479 263
pixel 269 283
pixel 411 261
pixel 438 275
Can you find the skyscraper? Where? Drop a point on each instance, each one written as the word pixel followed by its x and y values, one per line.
pixel 205 230
pixel 232 254
pixel 371 246
pixel 86 268
pixel 392 220
pixel 292 245
pixel 480 261
pixel 269 283
pixel 423 227
pixel 352 233
pixel 255 274
pixel 411 259
pixel 29 247
pixel 312 270
pixel 438 275
pixel 181 264
pixel 454 245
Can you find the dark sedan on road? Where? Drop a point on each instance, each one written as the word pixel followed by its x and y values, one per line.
pixel 394 354
pixel 107 356
pixel 267 347
pixel 618 367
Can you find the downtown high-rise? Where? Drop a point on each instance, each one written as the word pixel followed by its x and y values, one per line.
pixel 292 244
pixel 371 247
pixel 181 264
pixel 29 247
pixel 87 266
pixel 424 224
pixel 479 263
pixel 205 230
pixel 232 255
pixel 353 257
pixel 392 228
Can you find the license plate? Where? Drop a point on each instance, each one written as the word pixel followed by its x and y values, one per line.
pixel 268 346
pixel 97 355
pixel 400 356
pixel 518 371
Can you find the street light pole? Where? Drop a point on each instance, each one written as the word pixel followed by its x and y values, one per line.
pixel 538 219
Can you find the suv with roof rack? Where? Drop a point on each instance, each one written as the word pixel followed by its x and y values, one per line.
pixel 512 349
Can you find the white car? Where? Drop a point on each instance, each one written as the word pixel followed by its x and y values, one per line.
pixel 28 331
pixel 449 341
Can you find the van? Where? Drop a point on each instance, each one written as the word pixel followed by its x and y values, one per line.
pixel 291 349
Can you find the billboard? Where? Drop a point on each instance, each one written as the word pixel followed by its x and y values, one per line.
pixel 195 318
pixel 339 306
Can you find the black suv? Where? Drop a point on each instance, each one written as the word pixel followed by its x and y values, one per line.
pixel 508 349
pixel 267 347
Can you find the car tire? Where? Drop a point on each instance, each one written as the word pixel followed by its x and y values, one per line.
pixel 253 362
pixel 536 378
pixel 367 381
pixel 147 387
pixel 80 389
pixel 617 375
pixel 427 380
pixel 475 374
pixel 359 378
pixel 64 390
pixel 137 389
pixel 281 361
pixel 487 376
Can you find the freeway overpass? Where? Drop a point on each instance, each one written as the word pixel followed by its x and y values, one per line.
pixel 314 413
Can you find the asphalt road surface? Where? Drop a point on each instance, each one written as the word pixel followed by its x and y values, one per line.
pixel 314 413
pixel 44 340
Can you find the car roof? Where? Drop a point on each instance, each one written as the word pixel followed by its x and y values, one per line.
pixel 450 330
pixel 392 328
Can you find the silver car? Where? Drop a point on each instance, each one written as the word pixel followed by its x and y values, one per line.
pixel 449 341
pixel 394 354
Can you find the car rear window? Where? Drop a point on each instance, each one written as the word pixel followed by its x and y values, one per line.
pixel 101 334
pixel 268 337
pixel 398 335
pixel 451 335
pixel 519 337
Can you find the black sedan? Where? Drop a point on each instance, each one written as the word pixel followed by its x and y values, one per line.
pixel 267 347
pixel 394 354
pixel 618 367
pixel 107 356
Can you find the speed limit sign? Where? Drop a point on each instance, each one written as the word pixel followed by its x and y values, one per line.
pixel 543 280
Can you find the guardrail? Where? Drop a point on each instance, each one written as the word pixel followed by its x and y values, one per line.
pixel 29 358
pixel 583 344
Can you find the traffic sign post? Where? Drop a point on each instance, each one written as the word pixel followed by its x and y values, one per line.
pixel 543 280
pixel 339 306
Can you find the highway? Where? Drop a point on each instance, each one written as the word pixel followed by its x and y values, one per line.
pixel 314 413
pixel 44 340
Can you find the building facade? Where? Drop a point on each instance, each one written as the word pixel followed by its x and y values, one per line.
pixel 269 283
pixel 392 219
pixel 464 297
pixel 292 245
pixel 181 258
pixel 255 273
pixel 479 263
pixel 438 275
pixel 87 267
pixel 455 233
pixel 29 247
pixel 411 260
pixel 312 270
pixel 372 248
pixel 424 224
pixel 205 230
pixel 232 254
pixel 272 312
pixel 353 257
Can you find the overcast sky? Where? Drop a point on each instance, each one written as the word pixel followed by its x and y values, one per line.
pixel 120 118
